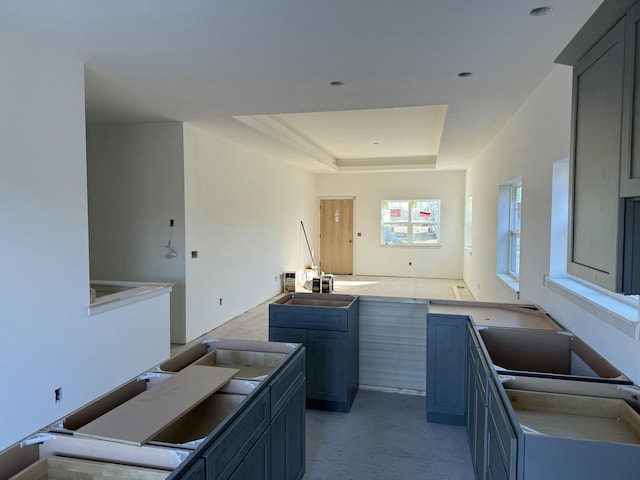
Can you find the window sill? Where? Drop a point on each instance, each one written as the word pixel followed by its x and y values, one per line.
pixel 510 282
pixel 411 245
pixel 614 311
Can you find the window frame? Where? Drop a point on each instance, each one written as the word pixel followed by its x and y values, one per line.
pixel 515 226
pixel 410 223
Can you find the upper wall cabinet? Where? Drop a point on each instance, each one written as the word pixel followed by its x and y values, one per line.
pixel 605 158
pixel 595 162
pixel 630 160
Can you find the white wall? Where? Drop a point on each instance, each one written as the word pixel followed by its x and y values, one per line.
pixel 47 339
pixel 243 213
pixel 536 137
pixel 370 189
pixel 136 185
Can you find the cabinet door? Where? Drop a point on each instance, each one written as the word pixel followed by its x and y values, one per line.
pixel 501 441
pixel 257 463
pixel 446 364
pixel 595 235
pixel 327 377
pixel 630 164
pixel 288 437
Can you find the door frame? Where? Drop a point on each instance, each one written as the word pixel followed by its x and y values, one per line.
pixel 319 225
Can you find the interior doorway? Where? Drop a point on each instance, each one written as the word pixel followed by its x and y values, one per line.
pixel 336 236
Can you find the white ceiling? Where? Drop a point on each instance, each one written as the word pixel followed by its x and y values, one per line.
pixel 259 71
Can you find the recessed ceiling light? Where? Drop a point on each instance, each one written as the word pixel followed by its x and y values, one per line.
pixel 465 74
pixel 336 83
pixel 540 11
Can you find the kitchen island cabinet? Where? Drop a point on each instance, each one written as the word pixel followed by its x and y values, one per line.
pixel 225 435
pixel 328 326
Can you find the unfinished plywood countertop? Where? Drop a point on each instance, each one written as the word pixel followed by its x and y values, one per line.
pixel 139 419
pixel 496 314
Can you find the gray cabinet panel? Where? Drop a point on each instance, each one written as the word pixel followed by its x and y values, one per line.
pixel 195 472
pixel 288 335
pixel 446 359
pixel 501 439
pixel 257 462
pixel 564 458
pixel 630 163
pixel 327 373
pixel 596 220
pixel 317 318
pixel 228 451
pixel 288 438
pixel 285 381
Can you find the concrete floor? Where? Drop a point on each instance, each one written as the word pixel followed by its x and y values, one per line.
pixel 385 436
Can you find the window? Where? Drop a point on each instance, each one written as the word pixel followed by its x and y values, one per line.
pixel 508 239
pixel 468 223
pixel 515 204
pixel 410 222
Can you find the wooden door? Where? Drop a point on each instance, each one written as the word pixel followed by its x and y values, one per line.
pixel 336 236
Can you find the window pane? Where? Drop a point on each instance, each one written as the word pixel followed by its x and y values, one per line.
pixel 516 204
pixel 514 255
pixel 395 212
pixel 394 234
pixel 425 211
pixel 424 233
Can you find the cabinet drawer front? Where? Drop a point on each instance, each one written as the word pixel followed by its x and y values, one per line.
pixel 316 318
pixel 482 376
pixel 227 452
pixel 285 382
pixel 499 421
pixel 496 467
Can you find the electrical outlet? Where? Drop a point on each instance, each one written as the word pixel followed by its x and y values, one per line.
pixel 171 222
pixel 194 253
pixel 220 301
pixel 58 394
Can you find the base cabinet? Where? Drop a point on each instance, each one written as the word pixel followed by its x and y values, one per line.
pixel 477 405
pixel 331 337
pixel 531 434
pixel 446 360
pixel 251 427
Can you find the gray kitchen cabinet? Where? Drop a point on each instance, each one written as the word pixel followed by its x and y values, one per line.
pixel 288 437
pixel 210 409
pixel 446 364
pixel 596 219
pixel 255 466
pixel 195 472
pixel 544 430
pixel 630 161
pixel 477 404
pixel 328 327
pixel 605 147
pixel 501 439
